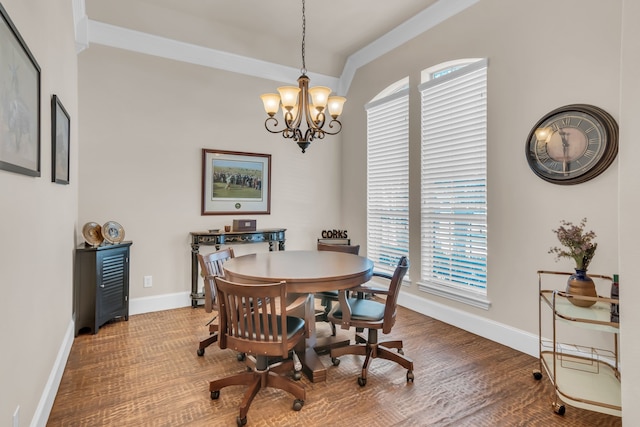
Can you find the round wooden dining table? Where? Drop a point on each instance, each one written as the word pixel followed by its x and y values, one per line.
pixel 305 272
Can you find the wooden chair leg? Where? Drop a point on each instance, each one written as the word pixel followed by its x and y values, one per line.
pixel 400 359
pixel 213 338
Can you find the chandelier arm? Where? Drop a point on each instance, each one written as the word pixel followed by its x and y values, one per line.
pixel 331 124
pixel 273 122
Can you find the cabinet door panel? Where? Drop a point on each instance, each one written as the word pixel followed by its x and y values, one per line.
pixel 112 287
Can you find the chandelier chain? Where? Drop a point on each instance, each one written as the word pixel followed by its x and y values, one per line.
pixel 304 31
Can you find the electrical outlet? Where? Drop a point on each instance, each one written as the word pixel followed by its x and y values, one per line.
pixel 16 417
pixel 147 281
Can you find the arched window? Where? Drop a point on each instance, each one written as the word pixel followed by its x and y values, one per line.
pixel 388 176
pixel 454 181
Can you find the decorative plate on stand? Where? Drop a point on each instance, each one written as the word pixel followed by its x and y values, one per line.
pixel 112 232
pixel 92 233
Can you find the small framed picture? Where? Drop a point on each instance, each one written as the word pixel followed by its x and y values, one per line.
pixel 235 183
pixel 60 133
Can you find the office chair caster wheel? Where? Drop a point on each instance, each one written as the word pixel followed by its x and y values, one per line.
pixel 362 381
pixel 241 357
pixel 537 375
pixel 297 404
pixel 215 394
pixel 335 361
pixel 410 376
pixel 200 352
pixel 241 421
pixel 297 375
pixel 558 408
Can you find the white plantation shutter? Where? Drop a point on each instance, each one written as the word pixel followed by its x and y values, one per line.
pixel 454 180
pixel 388 180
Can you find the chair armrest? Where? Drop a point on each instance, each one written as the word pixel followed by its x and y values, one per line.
pixel 381 274
pixel 369 290
pixel 346 308
pixel 372 289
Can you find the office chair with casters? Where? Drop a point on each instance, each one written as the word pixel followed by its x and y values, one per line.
pixel 253 320
pixel 374 316
pixel 328 297
pixel 211 265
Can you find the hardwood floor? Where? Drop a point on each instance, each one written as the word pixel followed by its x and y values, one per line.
pixel 145 372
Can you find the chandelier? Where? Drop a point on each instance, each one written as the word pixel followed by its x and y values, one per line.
pixel 303 102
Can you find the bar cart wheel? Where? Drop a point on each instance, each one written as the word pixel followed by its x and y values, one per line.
pixel 558 408
pixel 537 374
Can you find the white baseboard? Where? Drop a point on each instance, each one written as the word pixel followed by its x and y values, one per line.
pixel 517 339
pixel 159 303
pixel 41 415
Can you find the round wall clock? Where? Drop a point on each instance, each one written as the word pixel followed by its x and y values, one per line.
pixel 572 144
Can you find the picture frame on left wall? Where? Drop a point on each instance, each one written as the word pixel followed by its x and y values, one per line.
pixel 60 139
pixel 19 102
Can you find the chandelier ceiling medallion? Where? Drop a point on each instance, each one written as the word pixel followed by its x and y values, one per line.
pixel 303 102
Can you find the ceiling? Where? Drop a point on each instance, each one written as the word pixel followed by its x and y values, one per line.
pixel 269 32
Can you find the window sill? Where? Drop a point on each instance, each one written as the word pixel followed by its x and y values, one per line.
pixel 456 294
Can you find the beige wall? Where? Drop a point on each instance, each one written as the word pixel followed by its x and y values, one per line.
pixel 145 122
pixel 38 225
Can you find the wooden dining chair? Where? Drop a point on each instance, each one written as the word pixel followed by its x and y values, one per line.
pixel 254 320
pixel 211 265
pixel 328 297
pixel 352 312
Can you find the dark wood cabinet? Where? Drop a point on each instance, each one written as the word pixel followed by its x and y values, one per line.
pixel 101 285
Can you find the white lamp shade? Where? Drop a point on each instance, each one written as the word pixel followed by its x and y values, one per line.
pixel 319 96
pixel 271 103
pixel 289 95
pixel 335 105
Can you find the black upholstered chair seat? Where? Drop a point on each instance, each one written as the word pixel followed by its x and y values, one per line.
pixel 362 309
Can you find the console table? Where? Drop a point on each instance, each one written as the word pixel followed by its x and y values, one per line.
pixel 207 238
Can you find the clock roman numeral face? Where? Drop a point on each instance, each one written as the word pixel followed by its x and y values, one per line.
pixel 572 145
pixel 567 144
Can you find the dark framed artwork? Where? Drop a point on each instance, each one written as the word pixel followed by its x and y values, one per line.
pixel 235 183
pixel 60 133
pixel 19 102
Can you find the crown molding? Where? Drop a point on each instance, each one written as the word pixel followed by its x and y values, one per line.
pixel 88 31
pixel 413 27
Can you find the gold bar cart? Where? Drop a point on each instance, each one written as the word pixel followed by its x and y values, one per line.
pixel 582 376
